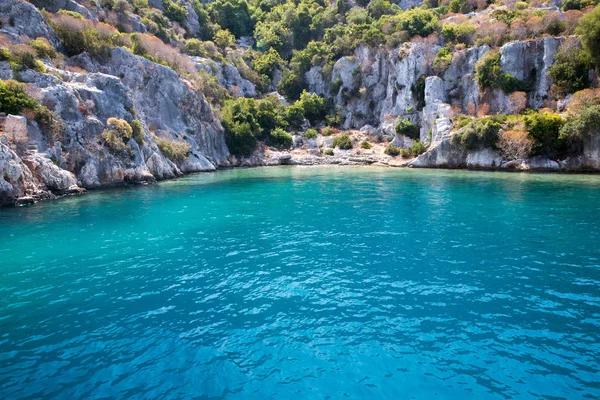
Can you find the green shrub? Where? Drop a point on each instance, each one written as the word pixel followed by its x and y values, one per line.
pixel 223 38
pixel 342 142
pixel 365 145
pixel 247 120
pixel 43 48
pixel 570 71
pixel 490 75
pixel 461 6
pixel 116 135
pixel 328 152
pixel 405 153
pixel 392 150
pixel 81 35
pixel 313 106
pixel 327 131
pixel 589 29
pixel 173 150
pixel 137 131
pixel 458 33
pixel 443 59
pixel 233 15
pixel 311 133
pixel 14 99
pixel 555 27
pixel 175 11
pixel 405 127
pixel 581 125
pixel 267 62
pixel 280 139
pixel 416 21
pixel 544 129
pixel 481 132
pixel 417 148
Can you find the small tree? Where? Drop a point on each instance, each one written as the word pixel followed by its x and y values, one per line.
pixel 589 29
pixel 223 38
pixel 515 145
pixel 405 127
pixel 543 128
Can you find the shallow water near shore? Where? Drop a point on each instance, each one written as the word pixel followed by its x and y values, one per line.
pixel 306 282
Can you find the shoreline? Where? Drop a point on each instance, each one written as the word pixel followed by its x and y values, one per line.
pixel 28 200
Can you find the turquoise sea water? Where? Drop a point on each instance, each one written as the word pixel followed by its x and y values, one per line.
pixel 293 283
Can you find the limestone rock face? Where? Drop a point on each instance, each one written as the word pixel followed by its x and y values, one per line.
pixel 529 61
pixel 123 86
pixel 228 75
pixel 26 20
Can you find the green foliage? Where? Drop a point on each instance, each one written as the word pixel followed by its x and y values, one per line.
pixel 43 49
pixel 313 106
pixel 173 150
pixel 478 133
pixel 175 11
pixel 233 15
pixel 405 127
pixel 458 33
pixel 14 99
pixel 116 135
pixel 392 151
pixel 137 131
pixel 357 16
pixel 365 145
pixel 490 75
pixel 328 152
pixel 342 142
pixel 461 6
pixel 80 35
pixel 555 27
pixel 248 120
pixel 581 126
pixel 280 139
pixel 570 71
pixel 443 59
pixel 379 8
pixel 417 148
pixel 544 129
pixel 416 21
pixel 311 133
pixel 266 63
pixel 589 29
pixel 223 38
pixel 140 4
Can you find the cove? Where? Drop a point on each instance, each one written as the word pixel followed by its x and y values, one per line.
pixel 322 282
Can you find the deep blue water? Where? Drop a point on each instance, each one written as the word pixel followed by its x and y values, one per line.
pixel 289 283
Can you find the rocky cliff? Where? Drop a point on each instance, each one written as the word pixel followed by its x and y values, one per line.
pixel 85 93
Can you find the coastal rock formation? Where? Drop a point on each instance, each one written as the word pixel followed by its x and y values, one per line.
pixel 85 95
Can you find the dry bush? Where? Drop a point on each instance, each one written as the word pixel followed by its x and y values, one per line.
pixel 471 109
pixel 173 150
pixel 571 18
pixel 484 109
pixel 535 26
pixel 15 130
pixel 515 145
pixel 518 102
pixel 78 35
pixel 75 69
pixel 519 30
pixel 582 99
pixel 153 48
pixel 492 33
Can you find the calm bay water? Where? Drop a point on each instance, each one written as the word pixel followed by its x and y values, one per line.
pixel 291 283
